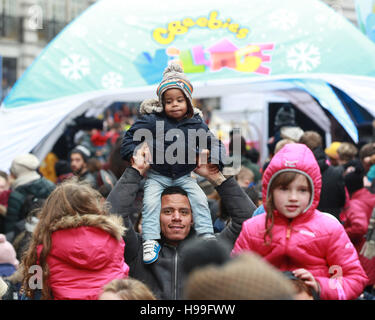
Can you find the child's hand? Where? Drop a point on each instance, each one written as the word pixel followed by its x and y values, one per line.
pixel 308 278
pixel 142 158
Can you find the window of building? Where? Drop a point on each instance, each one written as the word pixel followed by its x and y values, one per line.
pixel 9 75
pixel 9 7
pixel 77 7
pixel 54 19
pixel 57 14
pixel 10 22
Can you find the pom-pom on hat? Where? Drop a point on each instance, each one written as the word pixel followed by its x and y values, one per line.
pixel 175 78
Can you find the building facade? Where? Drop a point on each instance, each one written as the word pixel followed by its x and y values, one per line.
pixel 26 26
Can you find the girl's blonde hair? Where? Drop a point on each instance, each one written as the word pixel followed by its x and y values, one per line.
pixel 129 289
pixel 70 198
pixel 283 179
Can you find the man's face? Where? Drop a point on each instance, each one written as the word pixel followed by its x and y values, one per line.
pixel 175 217
pixel 77 163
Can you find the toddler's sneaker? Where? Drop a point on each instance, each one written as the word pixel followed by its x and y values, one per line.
pixel 151 250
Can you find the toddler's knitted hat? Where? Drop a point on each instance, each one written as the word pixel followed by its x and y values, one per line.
pixel 175 78
pixel 7 252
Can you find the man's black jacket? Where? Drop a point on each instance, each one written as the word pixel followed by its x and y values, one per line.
pixel 165 277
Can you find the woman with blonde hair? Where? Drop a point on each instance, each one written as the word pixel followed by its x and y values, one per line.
pixel 77 244
pixel 126 289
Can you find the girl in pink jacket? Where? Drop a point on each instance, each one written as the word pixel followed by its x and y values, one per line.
pixel 77 246
pixel 294 236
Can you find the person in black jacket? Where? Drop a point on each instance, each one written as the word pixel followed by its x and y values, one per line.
pixel 332 196
pixel 29 189
pixel 171 117
pixel 166 276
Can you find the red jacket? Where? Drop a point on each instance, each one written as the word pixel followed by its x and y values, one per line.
pixel 4 196
pixel 313 240
pixel 87 252
pixel 356 217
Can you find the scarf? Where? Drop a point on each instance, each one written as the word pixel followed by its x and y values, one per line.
pixel 25 179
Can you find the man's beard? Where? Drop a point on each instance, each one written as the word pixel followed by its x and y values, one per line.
pixel 78 172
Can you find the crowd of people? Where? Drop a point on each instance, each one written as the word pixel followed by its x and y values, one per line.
pixel 118 220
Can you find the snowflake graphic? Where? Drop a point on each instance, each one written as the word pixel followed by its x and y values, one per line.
pixel 303 57
pixel 74 66
pixel 112 80
pixel 283 19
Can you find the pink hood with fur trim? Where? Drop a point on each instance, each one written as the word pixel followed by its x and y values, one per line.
pixel 298 158
pixel 87 252
pixel 313 240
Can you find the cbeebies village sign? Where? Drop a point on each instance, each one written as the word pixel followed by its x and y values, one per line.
pixel 175 28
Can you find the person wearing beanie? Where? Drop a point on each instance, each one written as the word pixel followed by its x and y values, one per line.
pixel 27 187
pixel 8 260
pixel 332 154
pixel 171 116
pixel 245 277
pixel 356 215
pixel 79 157
pixel 285 127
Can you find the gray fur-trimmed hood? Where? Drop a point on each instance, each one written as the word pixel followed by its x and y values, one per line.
pixel 153 105
pixel 112 224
